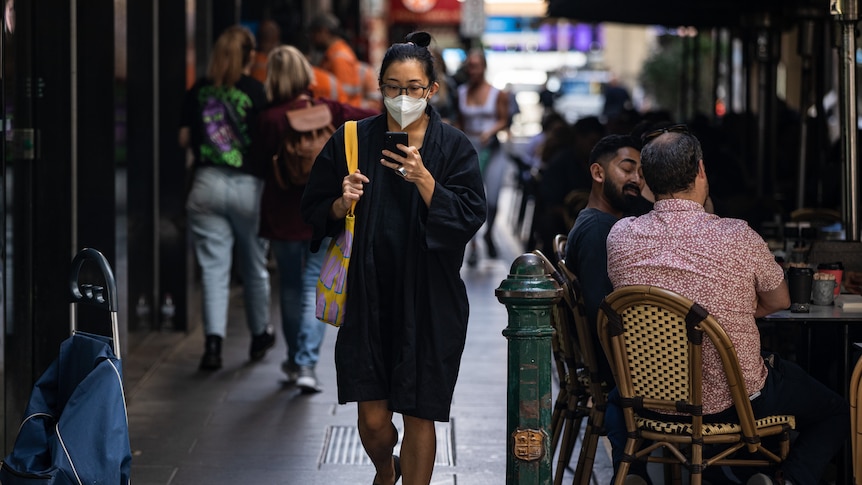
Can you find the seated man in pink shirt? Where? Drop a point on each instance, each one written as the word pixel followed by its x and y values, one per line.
pixel 727 268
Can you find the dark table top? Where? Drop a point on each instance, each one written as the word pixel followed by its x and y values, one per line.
pixel 816 313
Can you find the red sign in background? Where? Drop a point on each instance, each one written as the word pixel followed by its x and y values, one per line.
pixel 425 11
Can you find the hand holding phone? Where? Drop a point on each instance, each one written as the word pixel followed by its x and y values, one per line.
pixel 394 138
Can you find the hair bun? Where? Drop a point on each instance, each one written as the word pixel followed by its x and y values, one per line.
pixel 422 39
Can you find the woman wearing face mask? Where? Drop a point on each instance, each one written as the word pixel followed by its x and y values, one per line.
pixel 399 348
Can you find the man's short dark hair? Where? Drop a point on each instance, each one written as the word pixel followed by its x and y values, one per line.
pixel 670 162
pixel 607 147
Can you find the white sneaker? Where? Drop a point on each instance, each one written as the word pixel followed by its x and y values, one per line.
pixel 306 380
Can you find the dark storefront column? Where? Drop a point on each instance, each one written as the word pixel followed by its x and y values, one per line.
pixel 174 255
pixel 52 216
pixel 97 117
pixel 140 169
pixel 24 349
pixel 157 173
pixel 61 84
pixel 39 209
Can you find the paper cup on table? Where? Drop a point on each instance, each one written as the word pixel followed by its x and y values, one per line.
pixel 799 281
pixel 822 289
pixel 836 270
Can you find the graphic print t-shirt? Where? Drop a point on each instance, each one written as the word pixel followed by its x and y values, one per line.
pixel 219 118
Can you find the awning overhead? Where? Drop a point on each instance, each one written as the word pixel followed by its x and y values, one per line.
pixel 697 13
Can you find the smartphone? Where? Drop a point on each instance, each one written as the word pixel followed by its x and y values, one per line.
pixel 393 138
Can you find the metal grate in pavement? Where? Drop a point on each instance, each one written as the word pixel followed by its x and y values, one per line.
pixel 342 446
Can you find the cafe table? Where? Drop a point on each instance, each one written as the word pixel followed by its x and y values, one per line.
pixel 828 320
pixel 821 317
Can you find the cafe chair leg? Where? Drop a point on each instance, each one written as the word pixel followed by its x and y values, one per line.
pixel 856 422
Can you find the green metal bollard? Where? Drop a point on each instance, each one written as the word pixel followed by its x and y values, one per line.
pixel 529 293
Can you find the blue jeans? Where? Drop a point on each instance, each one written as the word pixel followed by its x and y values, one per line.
pixel 822 419
pixel 224 209
pixel 298 271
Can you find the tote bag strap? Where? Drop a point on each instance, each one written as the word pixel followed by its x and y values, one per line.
pixel 351 151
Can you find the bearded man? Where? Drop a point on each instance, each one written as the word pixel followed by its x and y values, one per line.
pixel 617 182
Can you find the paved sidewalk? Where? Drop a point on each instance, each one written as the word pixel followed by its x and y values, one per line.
pixel 242 424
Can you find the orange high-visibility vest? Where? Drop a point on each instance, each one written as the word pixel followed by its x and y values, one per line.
pixel 258 66
pixel 325 85
pixel 340 60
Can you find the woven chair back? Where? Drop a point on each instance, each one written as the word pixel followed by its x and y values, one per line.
pixel 653 337
pixel 657 346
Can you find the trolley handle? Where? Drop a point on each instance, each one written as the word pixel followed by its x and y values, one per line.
pixel 98 296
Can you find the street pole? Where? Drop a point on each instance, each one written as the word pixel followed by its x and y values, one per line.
pixel 845 13
pixel 529 294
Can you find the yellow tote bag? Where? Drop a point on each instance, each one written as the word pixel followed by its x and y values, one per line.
pixel 332 283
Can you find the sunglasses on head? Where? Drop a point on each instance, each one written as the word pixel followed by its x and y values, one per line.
pixel 652 135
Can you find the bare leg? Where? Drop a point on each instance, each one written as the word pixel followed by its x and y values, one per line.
pixel 379 438
pixel 418 450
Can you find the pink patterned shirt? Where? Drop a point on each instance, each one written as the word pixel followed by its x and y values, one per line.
pixel 720 263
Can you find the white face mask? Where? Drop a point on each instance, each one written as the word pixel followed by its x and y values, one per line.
pixel 404 109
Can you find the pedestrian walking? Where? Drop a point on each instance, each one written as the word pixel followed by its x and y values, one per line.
pixel 223 205
pixel 289 75
pixel 483 112
pixel 399 348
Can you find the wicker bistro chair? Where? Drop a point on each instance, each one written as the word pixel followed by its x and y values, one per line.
pixel 581 396
pixel 856 422
pixel 582 338
pixel 560 246
pixel 653 339
pixel 572 404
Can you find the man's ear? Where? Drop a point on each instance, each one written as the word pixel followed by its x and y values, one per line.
pixel 597 173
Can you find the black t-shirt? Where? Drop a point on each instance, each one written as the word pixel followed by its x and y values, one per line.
pixel 587 257
pixel 220 119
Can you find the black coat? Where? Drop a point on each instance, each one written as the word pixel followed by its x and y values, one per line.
pixel 407 352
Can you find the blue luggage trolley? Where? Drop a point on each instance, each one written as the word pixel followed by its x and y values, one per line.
pixel 75 430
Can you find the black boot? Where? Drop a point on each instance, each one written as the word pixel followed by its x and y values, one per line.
pixel 212 353
pixel 261 343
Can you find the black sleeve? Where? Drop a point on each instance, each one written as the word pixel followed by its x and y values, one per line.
pixel 458 207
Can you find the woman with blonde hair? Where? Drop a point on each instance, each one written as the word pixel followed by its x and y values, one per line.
pixel 224 202
pixel 288 77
